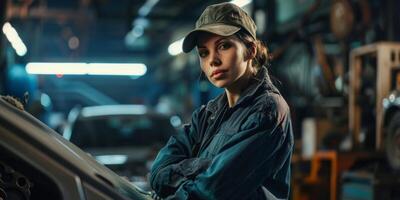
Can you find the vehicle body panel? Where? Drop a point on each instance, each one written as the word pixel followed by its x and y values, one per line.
pixel 69 167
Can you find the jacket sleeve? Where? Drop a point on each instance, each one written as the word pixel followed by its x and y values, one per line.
pixel 175 163
pixel 258 151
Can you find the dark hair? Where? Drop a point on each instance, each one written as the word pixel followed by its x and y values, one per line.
pixel 262 57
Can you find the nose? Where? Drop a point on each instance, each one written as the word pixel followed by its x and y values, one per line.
pixel 214 59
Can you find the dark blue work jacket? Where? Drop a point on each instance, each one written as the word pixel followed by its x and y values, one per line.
pixel 242 152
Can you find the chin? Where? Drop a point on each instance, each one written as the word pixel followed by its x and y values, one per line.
pixel 220 84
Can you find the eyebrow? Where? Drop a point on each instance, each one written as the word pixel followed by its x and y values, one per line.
pixel 216 42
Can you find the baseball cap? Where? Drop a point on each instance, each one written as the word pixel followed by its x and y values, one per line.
pixel 223 19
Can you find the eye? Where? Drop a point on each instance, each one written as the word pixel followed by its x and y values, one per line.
pixel 224 45
pixel 203 53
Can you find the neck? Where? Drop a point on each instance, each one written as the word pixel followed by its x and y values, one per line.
pixel 232 98
pixel 234 92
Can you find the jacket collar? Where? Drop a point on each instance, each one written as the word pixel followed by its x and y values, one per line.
pixel 261 81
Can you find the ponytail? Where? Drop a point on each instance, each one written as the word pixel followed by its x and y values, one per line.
pixel 262 57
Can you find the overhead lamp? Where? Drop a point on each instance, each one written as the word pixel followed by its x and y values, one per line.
pixel 13 37
pixel 175 48
pixel 146 8
pixel 127 69
pixel 132 69
pixel 56 68
pixel 241 3
pixel 95 111
pixel 140 23
pixel 112 159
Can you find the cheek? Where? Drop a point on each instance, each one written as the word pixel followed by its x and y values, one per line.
pixel 236 60
pixel 203 67
pixel 235 55
pixel 241 55
pixel 239 63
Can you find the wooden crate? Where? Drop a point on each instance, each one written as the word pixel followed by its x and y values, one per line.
pixel 388 58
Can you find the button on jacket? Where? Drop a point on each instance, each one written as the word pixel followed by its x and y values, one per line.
pixel 242 152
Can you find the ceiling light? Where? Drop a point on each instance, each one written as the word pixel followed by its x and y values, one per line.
pixel 146 8
pixel 132 69
pixel 13 37
pixel 128 69
pixel 104 110
pixel 112 159
pixel 241 3
pixel 140 23
pixel 175 48
pixel 56 68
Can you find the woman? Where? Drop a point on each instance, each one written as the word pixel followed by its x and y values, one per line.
pixel 239 145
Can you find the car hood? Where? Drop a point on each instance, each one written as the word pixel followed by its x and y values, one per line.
pixel 136 153
pixel 45 138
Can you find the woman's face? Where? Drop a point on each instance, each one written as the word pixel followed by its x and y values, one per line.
pixel 223 60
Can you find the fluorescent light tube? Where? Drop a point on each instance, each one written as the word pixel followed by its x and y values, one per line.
pixel 134 69
pixel 112 159
pixel 56 68
pixel 13 37
pixel 128 69
pixel 95 111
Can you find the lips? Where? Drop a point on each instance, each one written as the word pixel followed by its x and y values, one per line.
pixel 217 73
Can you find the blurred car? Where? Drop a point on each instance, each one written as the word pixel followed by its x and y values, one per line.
pixel 37 163
pixel 125 138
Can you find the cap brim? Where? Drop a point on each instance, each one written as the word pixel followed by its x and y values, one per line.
pixel 220 29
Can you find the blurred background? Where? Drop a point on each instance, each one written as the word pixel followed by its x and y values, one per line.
pixel 98 71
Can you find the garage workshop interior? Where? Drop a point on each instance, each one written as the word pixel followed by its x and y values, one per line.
pixel 92 90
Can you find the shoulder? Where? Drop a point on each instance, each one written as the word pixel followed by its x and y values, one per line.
pixel 271 102
pixel 199 112
pixel 212 106
pixel 270 107
pixel 198 116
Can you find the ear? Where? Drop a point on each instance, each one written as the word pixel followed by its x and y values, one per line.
pixel 251 52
